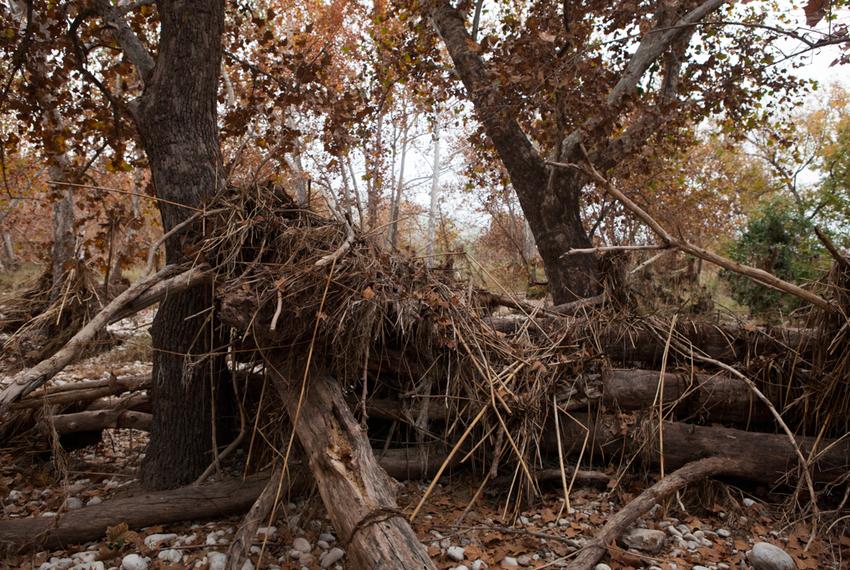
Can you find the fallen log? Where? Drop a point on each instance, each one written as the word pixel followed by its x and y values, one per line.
pixel 761 457
pixel 99 420
pixel 28 380
pixel 192 502
pixel 83 391
pixel 693 472
pixel 357 493
pixel 715 397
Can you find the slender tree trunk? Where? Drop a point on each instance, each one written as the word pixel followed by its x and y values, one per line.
pixel 375 182
pixel 435 198
pixel 64 240
pixel 177 122
pixel 395 211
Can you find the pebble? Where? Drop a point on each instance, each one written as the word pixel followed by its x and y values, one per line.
pixel 479 565
pixel 154 540
pixel 749 502
pixel 644 539
pixel 217 560
pixel 456 553
pixel 269 532
pixel 134 562
pixel 331 557
pixel 295 554
pixel 302 544
pixel 524 560
pixel 94 501
pixel 323 545
pixel 74 503
pixel 673 531
pixel 509 562
pixel 306 559
pixel 601 566
pixel 248 565
pixel 461 567
pixel 698 567
pixel 171 555
pixel 723 533
pixel 329 538
pixel 765 556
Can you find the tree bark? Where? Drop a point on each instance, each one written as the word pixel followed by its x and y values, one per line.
pixel 433 211
pixel 356 491
pixel 762 457
pixel 552 207
pixel 177 121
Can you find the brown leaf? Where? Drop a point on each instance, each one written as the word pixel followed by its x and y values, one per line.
pixel 815 11
pixel 368 293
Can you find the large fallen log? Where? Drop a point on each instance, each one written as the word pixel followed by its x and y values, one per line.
pixel 186 503
pixel 715 397
pixel 358 495
pixel 762 457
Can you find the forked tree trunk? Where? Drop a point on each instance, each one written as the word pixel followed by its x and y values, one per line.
pixel 177 122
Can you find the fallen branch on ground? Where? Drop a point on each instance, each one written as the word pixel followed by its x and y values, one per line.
pixel 28 380
pixel 617 524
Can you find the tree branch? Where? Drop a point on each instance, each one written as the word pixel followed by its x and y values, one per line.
pixel 130 43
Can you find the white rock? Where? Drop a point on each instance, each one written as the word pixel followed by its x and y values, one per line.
pixel 723 533
pixel 329 538
pixel 14 496
pixel 524 560
pixel 749 502
pixel 73 503
pixel 331 557
pixel 86 556
pixel 601 566
pixel 48 514
pixel 306 559
pixel 171 555
pixel 248 565
pixel 644 539
pixel 217 560
pixel 155 540
pixel 301 544
pixel 295 554
pixel 461 567
pixel 765 556
pixel 94 565
pixel 456 553
pixel 479 565
pixel 509 562
pixel 94 501
pixel 212 539
pixel 134 562
pixel 267 531
pixel 322 544
pixel 698 567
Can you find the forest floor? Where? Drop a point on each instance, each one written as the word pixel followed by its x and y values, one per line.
pixel 709 526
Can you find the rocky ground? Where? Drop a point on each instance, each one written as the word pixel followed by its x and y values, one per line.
pixel 715 526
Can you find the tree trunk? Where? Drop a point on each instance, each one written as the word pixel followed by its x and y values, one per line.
pixel 177 121
pixel 551 205
pixel 435 198
pixel 356 491
pixel 395 210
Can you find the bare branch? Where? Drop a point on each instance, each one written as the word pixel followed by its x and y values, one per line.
pixel 130 43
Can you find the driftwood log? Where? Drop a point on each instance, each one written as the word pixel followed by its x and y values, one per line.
pixel 762 457
pixel 211 500
pixel 694 472
pixel 358 495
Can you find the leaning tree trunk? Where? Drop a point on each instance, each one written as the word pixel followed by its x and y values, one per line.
pixel 177 122
pixel 551 206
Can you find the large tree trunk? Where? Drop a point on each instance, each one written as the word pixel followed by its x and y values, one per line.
pixel 552 207
pixel 177 122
